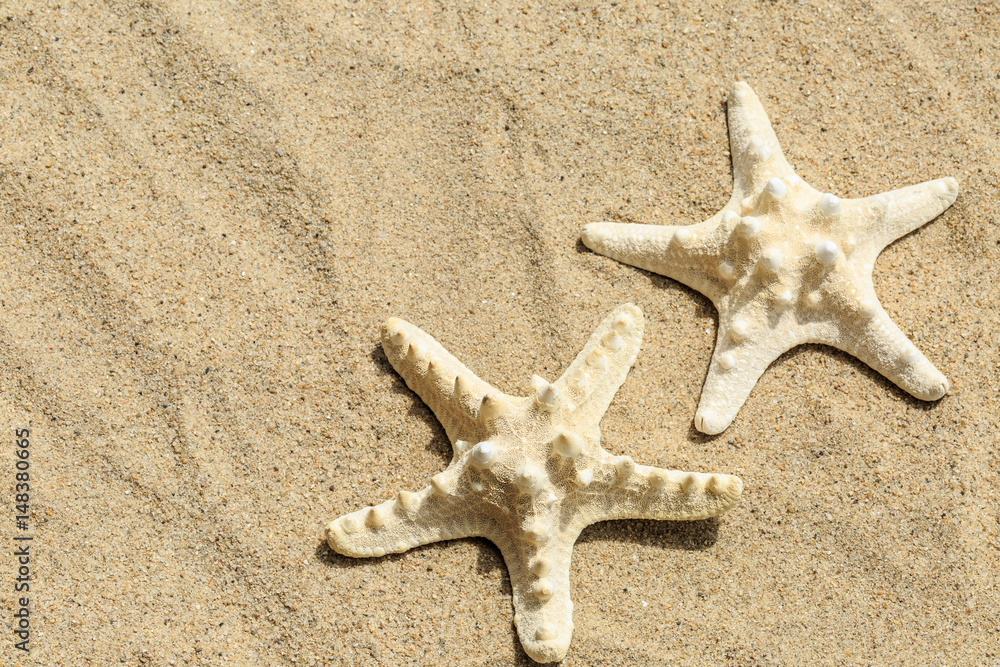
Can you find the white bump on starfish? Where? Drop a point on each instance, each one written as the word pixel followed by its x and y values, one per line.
pixel 483 454
pixel 546 632
pixel 771 259
pixel 775 188
pixel 568 445
pixel 542 588
pixel 492 407
pixel 739 331
pixel 597 359
pixel 763 153
pixel 406 499
pixel 625 466
pixel 748 226
pixel 531 479
pixel 801 265
pixel 441 484
pixel 376 517
pixel 688 483
pixel 826 252
pixel 829 205
pixel 536 532
pixel 540 566
pixel 612 341
pixel 727 361
pixel 535 477
pixel 622 324
pixel 548 398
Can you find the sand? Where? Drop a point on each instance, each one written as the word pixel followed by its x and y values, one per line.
pixel 207 209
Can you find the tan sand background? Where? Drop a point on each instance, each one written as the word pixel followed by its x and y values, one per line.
pixel 208 208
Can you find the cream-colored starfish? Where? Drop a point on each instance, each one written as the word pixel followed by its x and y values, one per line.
pixel 784 264
pixel 528 474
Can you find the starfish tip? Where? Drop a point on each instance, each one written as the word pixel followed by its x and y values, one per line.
pixel 948 189
pixel 392 324
pixel 336 538
pixel 626 317
pixel 938 388
pixel 551 649
pixel 708 422
pixel 733 487
pixel 739 90
pixel 394 333
pixel 592 235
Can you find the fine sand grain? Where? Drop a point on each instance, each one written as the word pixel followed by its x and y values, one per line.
pixel 208 208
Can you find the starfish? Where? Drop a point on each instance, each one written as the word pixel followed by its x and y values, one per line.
pixel 527 473
pixel 784 264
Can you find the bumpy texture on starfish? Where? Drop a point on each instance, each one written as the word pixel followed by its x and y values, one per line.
pixel 528 474
pixel 784 264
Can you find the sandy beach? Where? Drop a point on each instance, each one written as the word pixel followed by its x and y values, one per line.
pixel 208 209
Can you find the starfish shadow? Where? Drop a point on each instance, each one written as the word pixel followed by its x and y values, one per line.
pixel 848 359
pixel 488 559
pixel 439 443
pixel 704 308
pixel 694 436
pixel 676 535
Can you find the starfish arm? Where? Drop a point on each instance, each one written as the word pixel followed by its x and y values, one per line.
pixel 630 491
pixel 892 215
pixel 395 526
pixel 734 371
pixel 592 380
pixel 684 253
pixel 876 340
pixel 453 392
pixel 756 152
pixel 539 581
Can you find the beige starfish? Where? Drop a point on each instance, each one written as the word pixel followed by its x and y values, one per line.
pixel 528 474
pixel 785 264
